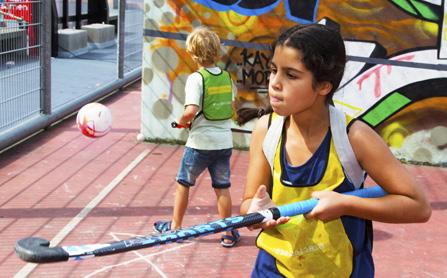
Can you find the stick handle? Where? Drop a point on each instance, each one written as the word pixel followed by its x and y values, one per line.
pixel 307 205
pixel 176 125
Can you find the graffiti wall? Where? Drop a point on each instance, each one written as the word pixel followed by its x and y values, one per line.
pixel 395 79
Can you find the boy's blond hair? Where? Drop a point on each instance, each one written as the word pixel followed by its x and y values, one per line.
pixel 203 45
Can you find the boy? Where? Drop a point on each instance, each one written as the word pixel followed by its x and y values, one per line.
pixel 335 238
pixel 209 95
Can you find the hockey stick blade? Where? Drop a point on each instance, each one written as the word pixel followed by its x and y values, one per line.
pixel 37 250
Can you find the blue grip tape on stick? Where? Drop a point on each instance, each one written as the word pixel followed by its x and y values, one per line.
pixel 307 205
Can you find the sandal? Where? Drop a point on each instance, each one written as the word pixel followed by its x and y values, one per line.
pixel 234 238
pixel 162 226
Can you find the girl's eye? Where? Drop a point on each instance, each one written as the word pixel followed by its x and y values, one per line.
pixel 272 70
pixel 291 76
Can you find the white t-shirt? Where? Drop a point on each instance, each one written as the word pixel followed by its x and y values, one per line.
pixel 204 134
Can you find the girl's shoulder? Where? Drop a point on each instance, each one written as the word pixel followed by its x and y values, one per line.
pixel 260 129
pixel 263 123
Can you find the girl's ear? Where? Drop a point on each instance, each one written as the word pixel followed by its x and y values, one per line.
pixel 324 88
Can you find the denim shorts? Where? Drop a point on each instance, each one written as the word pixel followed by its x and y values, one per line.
pixel 194 162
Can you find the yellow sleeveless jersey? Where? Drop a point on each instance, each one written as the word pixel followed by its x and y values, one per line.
pixel 312 248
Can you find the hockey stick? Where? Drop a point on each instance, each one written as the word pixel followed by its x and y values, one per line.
pixel 176 125
pixel 37 250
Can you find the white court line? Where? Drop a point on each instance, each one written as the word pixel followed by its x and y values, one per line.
pixel 140 257
pixel 29 267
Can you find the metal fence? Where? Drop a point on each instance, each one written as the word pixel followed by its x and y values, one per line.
pixel 134 18
pixel 20 53
pixel 39 87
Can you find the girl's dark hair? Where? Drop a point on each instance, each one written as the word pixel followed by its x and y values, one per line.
pixel 323 54
pixel 323 51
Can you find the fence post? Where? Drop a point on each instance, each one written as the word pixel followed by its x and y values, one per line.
pixel 121 35
pixel 45 57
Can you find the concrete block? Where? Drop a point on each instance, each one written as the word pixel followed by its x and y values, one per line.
pixel 72 42
pixel 100 35
pixel 72 39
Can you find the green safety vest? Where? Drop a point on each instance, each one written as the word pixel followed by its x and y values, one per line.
pixel 217 95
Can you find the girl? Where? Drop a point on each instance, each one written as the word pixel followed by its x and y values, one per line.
pixel 335 238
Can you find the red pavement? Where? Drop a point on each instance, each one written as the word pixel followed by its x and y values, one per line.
pixel 48 180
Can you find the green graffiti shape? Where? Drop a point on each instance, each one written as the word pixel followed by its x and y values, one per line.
pixel 420 9
pixel 385 109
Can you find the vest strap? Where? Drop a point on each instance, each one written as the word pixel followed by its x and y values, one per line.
pixel 271 139
pixel 343 148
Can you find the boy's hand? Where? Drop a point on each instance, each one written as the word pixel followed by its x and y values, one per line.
pixel 181 122
pixel 262 201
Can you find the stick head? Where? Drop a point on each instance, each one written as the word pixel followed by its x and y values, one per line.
pixel 37 250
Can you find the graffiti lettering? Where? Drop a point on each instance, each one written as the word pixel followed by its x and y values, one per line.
pixel 256 59
pixel 255 71
pixel 257 78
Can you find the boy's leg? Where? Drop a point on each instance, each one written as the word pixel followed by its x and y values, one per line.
pixel 194 162
pixel 180 205
pixel 224 206
pixel 223 202
pixel 220 176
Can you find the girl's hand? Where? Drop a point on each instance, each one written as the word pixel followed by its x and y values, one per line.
pixel 331 205
pixel 262 201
